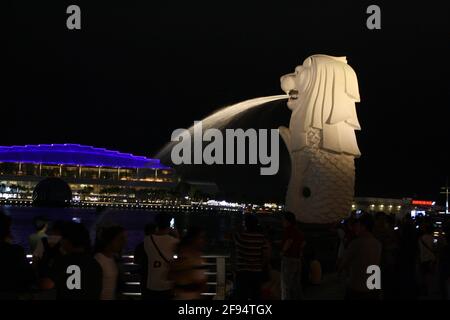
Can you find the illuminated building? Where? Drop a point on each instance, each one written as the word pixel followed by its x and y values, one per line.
pixel 398 207
pixel 93 174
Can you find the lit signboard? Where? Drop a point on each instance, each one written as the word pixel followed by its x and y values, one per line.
pixel 422 203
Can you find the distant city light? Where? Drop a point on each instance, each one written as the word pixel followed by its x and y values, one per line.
pixel 423 203
pixel 223 203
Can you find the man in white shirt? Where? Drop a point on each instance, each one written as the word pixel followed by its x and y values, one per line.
pixel 160 248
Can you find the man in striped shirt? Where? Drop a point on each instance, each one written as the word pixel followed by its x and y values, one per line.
pixel 251 258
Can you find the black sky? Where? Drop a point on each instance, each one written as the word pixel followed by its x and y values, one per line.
pixel 139 69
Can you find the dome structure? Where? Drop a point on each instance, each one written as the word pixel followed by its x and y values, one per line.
pixel 52 192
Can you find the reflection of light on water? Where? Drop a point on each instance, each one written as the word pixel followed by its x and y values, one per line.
pixel 221 118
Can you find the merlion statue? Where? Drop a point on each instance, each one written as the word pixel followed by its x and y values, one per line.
pixel 321 138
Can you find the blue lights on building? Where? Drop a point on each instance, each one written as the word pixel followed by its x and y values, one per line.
pixel 93 174
pixel 76 155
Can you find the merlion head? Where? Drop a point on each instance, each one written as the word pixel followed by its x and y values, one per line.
pixel 322 95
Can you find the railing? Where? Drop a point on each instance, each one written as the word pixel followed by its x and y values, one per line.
pixel 216 272
pixel 217 276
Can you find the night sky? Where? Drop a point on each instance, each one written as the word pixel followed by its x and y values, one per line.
pixel 137 70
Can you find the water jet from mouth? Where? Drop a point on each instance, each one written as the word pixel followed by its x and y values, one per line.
pixel 222 117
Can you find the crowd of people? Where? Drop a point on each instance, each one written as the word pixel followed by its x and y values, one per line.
pixel 67 264
pixel 412 257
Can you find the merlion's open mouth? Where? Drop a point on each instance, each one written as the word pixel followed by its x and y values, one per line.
pixel 293 94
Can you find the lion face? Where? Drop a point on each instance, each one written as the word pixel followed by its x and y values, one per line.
pixel 295 84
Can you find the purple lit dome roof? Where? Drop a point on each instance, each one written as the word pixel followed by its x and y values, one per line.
pixel 75 154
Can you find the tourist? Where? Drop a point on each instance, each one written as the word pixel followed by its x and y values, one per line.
pixel 407 260
pixel 271 287
pixel 52 240
pixel 362 252
pixel 111 242
pixel 384 232
pixel 160 249
pixel 444 265
pixel 427 257
pixel 340 233
pixel 188 270
pixel 291 254
pixel 350 231
pixel 75 244
pixel 141 260
pixel 312 275
pixel 252 256
pixel 315 270
pixel 40 224
pixel 16 274
pixel 47 251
